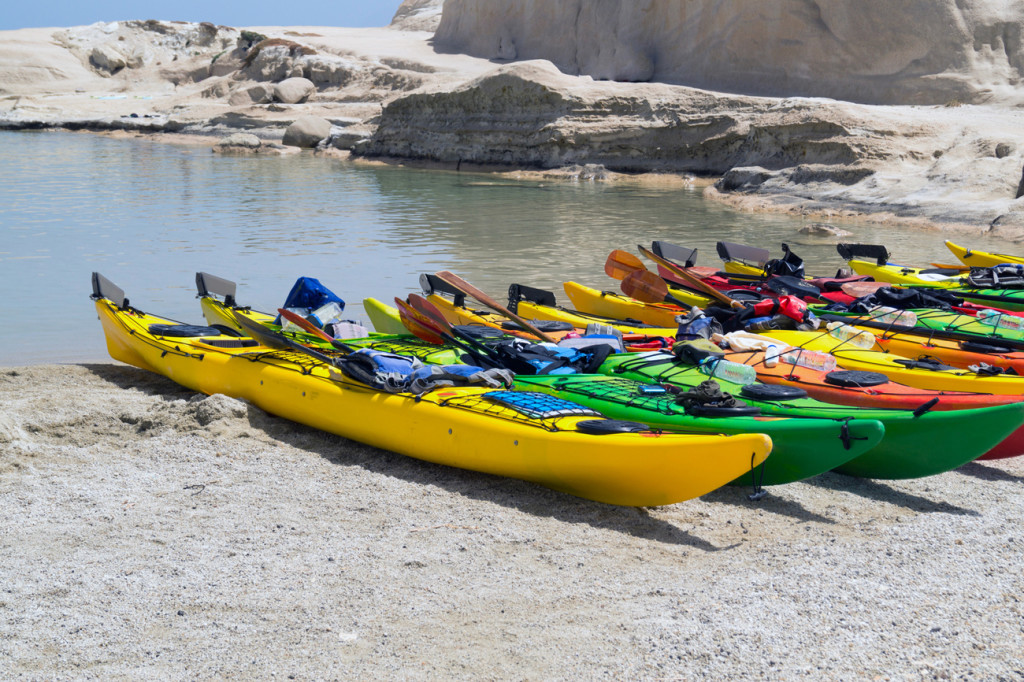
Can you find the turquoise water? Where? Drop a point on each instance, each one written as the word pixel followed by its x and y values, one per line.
pixel 149 215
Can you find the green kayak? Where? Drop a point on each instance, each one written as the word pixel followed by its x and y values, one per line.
pixel 914 445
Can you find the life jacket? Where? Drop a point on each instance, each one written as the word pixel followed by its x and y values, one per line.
pixel 790 264
pixel 525 357
pixel 1007 276
pixel 394 373
pixel 789 306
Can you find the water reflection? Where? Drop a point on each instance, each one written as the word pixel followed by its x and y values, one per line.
pixel 149 215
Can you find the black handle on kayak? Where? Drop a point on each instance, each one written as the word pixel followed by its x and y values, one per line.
pixel 926 407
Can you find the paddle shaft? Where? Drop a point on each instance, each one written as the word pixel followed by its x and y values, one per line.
pixel 695 281
pixel 470 290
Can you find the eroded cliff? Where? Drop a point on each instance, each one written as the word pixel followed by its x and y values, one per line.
pixel 871 51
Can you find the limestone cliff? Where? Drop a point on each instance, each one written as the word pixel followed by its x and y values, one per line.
pixel 871 51
pixel 418 15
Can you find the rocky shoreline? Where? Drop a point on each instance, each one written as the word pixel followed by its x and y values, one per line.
pixel 389 94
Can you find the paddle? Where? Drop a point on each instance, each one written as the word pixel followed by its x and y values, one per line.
pixel 645 286
pixel 418 325
pixel 858 289
pixel 311 328
pixel 951 266
pixel 272 339
pixel 465 287
pixel 696 282
pixel 425 327
pixel 620 263
pixel 442 325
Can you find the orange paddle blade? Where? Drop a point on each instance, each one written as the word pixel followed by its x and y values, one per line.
pixel 417 323
pixel 425 307
pixel 696 282
pixel 620 263
pixel 644 285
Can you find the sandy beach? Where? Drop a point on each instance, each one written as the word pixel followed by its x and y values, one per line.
pixel 152 532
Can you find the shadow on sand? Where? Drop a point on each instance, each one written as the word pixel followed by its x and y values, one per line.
pixel 988 473
pixel 879 491
pixel 514 494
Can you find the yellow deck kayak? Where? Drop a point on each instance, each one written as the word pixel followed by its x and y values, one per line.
pixel 619 307
pixel 467 427
pixel 981 259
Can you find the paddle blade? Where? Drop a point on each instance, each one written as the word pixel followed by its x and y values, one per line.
pixel 695 282
pixel 305 324
pixel 418 324
pixel 425 307
pixel 859 289
pixel 620 263
pixel 644 285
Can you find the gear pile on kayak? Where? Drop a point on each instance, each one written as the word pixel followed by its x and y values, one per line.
pixel 753 374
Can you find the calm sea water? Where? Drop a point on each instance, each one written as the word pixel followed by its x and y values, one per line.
pixel 148 216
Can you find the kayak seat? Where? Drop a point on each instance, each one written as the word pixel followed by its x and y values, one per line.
pixel 542 325
pixel 182 330
pixel 855 378
pixel 772 392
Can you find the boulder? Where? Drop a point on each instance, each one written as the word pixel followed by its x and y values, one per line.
pixel 239 140
pixel 260 93
pixel 306 132
pixel 107 58
pixel 744 179
pixel 1020 187
pixel 346 137
pixel 822 230
pixel 294 90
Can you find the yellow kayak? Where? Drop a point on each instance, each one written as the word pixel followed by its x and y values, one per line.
pixel 554 444
pixel 981 259
pixel 899 275
pixel 620 307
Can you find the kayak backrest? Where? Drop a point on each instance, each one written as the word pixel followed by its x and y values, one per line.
pixel 104 288
pixel 521 292
pixel 749 255
pixel 432 284
pixel 864 251
pixel 675 253
pixel 207 284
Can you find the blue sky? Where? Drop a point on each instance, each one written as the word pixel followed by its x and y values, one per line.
pixel 230 13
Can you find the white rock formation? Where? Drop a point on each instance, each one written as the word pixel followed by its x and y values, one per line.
pixel 388 92
pixel 873 51
pixel 418 15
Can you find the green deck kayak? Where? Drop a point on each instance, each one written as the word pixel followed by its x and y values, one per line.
pixel 914 446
